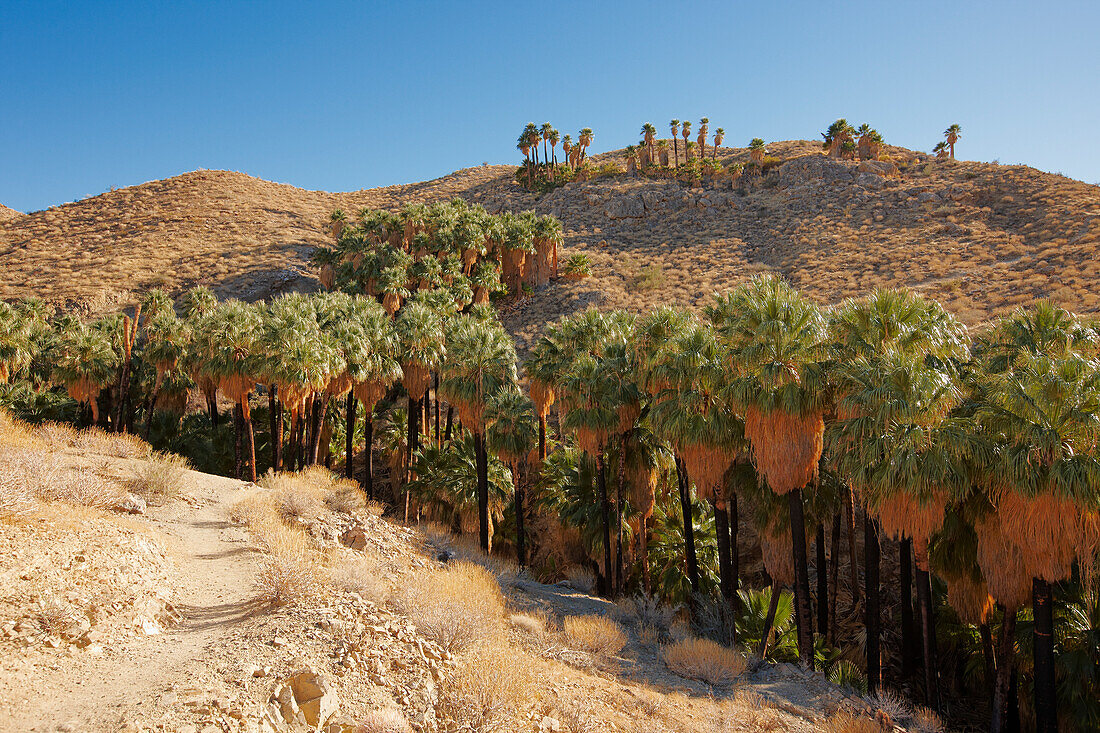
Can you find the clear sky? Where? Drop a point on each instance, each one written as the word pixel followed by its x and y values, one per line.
pixel 341 96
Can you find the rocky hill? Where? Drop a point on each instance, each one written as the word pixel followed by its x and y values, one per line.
pixel 983 238
pixel 7 214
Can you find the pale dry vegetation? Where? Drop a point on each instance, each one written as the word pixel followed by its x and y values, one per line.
pixel 162 476
pixel 597 635
pixel 456 606
pixel 846 722
pixel 704 660
pixel 489 690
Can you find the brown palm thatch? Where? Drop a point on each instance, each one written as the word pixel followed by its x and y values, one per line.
pixel 1002 563
pixel 786 448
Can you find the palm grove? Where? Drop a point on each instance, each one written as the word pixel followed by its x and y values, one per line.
pixel 651 442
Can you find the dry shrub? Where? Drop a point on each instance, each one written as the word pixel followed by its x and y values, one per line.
pixel 487 691
pixel 289 569
pixel 845 722
pixel 456 606
pixel 294 498
pixel 160 478
pixel 346 497
pixel 594 634
pixel 926 721
pixel 703 659
pixel 119 445
pixel 361 574
pixel 505 570
pixel 890 704
pixel 254 509
pixel 645 612
pixel 389 720
pixel 82 487
pixel 528 623
pixel 580 578
pixel 57 436
pixel 15 433
pixel 15 500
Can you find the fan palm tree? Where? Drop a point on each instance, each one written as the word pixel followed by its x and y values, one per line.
pixel 701 140
pixel 719 136
pixel 165 341
pixel 649 135
pixel 837 137
pixel 757 150
pixel 16 349
pixel 422 346
pixel 951 135
pixel 555 137
pixel 544 132
pixel 567 148
pixel 940 149
pixel 584 139
pixel 1040 404
pixel 84 360
pixel 777 344
pixel 511 434
pixel 685 131
pixel 480 361
pixel 674 128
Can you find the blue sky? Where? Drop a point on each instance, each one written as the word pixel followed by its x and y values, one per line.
pixel 341 96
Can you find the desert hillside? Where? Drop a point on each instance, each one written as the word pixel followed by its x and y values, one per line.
pixel 138 595
pixel 980 237
pixel 7 214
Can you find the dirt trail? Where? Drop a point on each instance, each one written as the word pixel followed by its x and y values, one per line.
pixel 131 680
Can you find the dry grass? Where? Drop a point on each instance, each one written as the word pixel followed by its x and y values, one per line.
pixel 846 722
pixel 705 660
pixel 388 720
pixel 926 721
pixel 489 690
pixel 529 624
pixel 455 607
pixel 361 574
pixel 161 477
pixel 594 634
pixel 293 497
pixel 289 568
pixel 580 578
pixel 116 445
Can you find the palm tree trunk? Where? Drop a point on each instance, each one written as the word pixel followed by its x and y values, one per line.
pixel 450 420
pixel 437 410
pixel 853 557
pixel 735 554
pixel 988 658
pixel 238 442
pixel 249 439
pixel 619 584
pixel 1046 701
pixel 212 409
pixel 1006 663
pixel 769 619
pixel 928 636
pixel 643 553
pixel 802 580
pixel 605 517
pixel 834 580
pixel 521 540
pixel 412 439
pixel 690 557
pixel 151 404
pixel 542 438
pixel 349 438
pixel 275 409
pixel 676 151
pixel 482 462
pixel 908 637
pixel 725 566
pixel 368 451
pixel 320 407
pixel 871 608
pixel 821 575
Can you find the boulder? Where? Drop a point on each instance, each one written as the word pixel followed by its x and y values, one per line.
pixel 316 699
pixel 871 181
pixel 815 168
pixel 355 538
pixel 625 206
pixel 131 504
pixel 878 167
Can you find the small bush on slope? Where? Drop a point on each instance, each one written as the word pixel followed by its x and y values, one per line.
pixel 594 634
pixel 163 476
pixel 456 606
pixel 703 659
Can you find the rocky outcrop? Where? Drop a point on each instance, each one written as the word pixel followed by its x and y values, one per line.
pixel 625 206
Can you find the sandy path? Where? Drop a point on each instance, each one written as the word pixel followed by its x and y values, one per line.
pixel 129 680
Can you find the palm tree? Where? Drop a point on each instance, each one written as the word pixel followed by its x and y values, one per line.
pixel 686 132
pixel 662 152
pixel 84 360
pixel 777 344
pixel 951 136
pixel 837 137
pixel 1039 403
pixel 423 347
pixel 940 149
pixel 584 139
pixel 511 434
pixel 480 361
pixel 757 150
pixel 674 127
pixel 567 148
pixel 545 132
pixel 719 136
pixel 869 142
pixel 165 341
pixel 701 140
pixel 554 139
pixel 631 160
pixel 649 134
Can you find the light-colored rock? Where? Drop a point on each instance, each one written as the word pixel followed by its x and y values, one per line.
pixel 131 504
pixel 316 699
pixel 355 538
pixel 871 181
pixel 625 206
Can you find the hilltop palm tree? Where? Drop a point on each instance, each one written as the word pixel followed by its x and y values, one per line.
pixel 674 128
pixel 584 139
pixel 777 342
pixel 940 149
pixel 662 152
pixel 555 137
pixel 701 140
pixel 719 136
pixel 837 137
pixel 631 160
pixel 567 148
pixel 649 134
pixel 951 135
pixel 480 361
pixel 544 132
pixel 512 436
pixel 757 150
pixel 686 133
pixel 870 142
